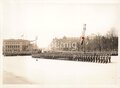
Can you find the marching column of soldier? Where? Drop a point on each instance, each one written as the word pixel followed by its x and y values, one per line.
pixel 93 58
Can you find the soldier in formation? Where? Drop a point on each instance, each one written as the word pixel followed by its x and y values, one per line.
pixel 93 58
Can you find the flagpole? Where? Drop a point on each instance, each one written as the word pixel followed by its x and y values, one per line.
pixel 84 29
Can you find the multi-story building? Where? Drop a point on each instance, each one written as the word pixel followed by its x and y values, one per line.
pixel 17 46
pixel 65 43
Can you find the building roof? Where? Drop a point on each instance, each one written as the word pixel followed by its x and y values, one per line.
pixel 11 40
pixel 66 39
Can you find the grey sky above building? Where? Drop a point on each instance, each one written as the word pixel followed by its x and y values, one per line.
pixel 50 19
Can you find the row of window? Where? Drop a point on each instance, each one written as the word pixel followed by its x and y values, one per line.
pixel 12 43
pixel 65 45
pixel 9 50
pixel 10 46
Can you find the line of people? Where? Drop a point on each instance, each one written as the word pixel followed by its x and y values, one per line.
pixel 93 58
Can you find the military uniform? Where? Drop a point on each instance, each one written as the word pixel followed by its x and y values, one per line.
pixel 109 58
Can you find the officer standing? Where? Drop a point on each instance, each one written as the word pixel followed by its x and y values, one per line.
pixel 106 59
pixel 96 58
pixel 90 58
pixel 81 57
pixel 109 58
pixel 93 58
pixel 100 59
pixel 87 58
pixel 103 58
pixel 78 57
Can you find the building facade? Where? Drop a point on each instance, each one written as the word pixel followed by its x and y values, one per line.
pixel 65 44
pixel 17 46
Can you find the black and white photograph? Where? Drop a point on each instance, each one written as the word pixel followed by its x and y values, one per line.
pixel 59 44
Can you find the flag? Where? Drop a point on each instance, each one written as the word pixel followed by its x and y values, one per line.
pixel 82 43
pixel 82 40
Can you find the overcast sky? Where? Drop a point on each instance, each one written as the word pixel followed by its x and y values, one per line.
pixel 49 19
